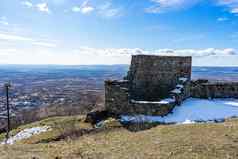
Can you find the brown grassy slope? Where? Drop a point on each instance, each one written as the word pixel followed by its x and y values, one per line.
pixel 173 141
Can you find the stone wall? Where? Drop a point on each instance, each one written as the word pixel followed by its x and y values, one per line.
pixel 151 77
pixel 117 96
pixel 117 101
pixel 213 89
pixel 154 86
pixel 160 108
pixel 181 91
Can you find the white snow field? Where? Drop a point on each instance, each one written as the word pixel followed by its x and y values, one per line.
pixel 26 133
pixel 193 110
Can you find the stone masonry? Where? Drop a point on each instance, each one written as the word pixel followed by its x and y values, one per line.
pixel 154 85
pixel 213 89
pixel 152 77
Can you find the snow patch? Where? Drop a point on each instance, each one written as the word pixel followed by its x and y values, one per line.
pixel 26 133
pixel 176 91
pixel 179 86
pixel 145 102
pixel 187 121
pixel 164 101
pixel 167 101
pixel 232 103
pixel 183 79
pixel 193 110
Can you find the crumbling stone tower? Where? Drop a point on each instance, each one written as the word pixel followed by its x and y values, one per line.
pixel 151 78
pixel 153 86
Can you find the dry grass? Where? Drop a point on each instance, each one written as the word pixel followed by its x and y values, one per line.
pixel 172 141
pixel 59 125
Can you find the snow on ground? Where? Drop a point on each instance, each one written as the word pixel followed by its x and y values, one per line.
pixel 164 101
pixel 179 86
pixel 194 109
pixel 26 133
pixel 176 91
pixel 167 101
pixel 183 79
pixel 188 122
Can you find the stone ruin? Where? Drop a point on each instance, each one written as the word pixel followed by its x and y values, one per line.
pixel 154 85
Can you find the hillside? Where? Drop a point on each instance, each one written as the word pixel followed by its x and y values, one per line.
pixel 210 140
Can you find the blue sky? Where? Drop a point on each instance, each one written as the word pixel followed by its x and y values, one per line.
pixel 110 31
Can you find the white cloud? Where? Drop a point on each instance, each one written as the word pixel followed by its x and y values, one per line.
pixel 27 4
pixel 46 44
pixel 222 19
pixel 43 7
pixel 76 9
pixel 201 57
pixel 11 37
pixel 163 52
pixel 85 8
pixel 234 10
pixel 5 51
pixel 87 56
pixel 160 6
pixel 28 40
pixel 197 52
pixel 232 5
pixel 3 21
pixel 106 10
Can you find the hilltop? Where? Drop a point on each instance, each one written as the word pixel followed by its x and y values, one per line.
pixel 71 137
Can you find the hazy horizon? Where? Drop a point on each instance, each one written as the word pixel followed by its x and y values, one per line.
pixel 93 65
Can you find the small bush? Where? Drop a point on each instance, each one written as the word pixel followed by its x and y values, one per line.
pixel 70 130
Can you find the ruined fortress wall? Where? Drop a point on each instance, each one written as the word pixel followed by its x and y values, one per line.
pixel 152 77
pixel 151 108
pixel 206 89
pixel 116 96
pixel 153 86
pixel 117 101
pixel 156 84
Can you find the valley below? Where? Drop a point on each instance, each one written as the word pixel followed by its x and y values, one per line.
pixel 38 92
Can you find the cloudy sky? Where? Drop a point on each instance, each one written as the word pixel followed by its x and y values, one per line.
pixel 110 31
